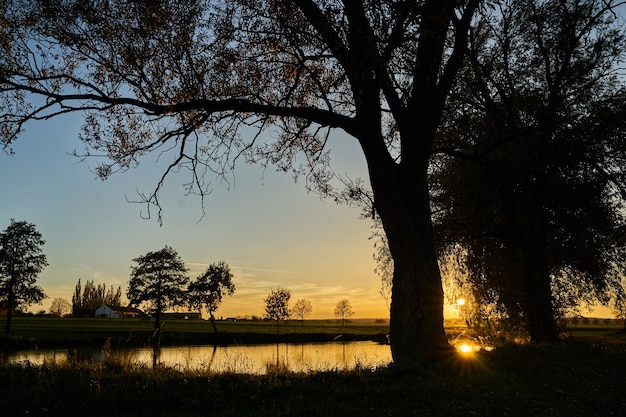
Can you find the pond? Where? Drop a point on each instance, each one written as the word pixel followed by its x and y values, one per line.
pixel 249 359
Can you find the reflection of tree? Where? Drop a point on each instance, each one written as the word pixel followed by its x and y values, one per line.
pixel 210 364
pixel 278 365
pixel 156 354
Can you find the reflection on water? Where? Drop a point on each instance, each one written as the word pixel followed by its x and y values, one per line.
pixel 252 359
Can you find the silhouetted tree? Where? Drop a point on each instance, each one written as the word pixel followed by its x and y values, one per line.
pixel 535 191
pixel 343 310
pixel 21 261
pixel 185 75
pixel 209 288
pixel 159 281
pixel 277 305
pixel 85 301
pixel 60 307
pixel 302 308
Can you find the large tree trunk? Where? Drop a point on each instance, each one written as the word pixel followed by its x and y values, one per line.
pixel 542 325
pixel 212 317
pixel 7 329
pixel 402 201
pixel 416 329
pixel 10 306
pixel 537 298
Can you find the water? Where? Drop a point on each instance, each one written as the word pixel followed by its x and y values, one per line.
pixel 249 359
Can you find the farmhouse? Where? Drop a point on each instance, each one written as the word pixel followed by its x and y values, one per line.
pixel 117 312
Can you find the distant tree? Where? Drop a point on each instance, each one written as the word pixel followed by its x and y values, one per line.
pixel 302 308
pixel 343 310
pixel 277 305
pixel 113 296
pixel 87 300
pixel 77 300
pixel 21 261
pixel 158 280
pixel 60 307
pixel 209 288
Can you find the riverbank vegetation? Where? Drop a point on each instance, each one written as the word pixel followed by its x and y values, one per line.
pixel 576 379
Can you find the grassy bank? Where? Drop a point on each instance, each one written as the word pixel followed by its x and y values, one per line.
pixel 42 331
pixel 574 380
pixel 34 331
pixel 585 378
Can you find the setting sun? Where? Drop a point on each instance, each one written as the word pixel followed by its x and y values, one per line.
pixel 465 348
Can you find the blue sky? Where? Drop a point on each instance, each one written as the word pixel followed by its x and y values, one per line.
pixel 270 230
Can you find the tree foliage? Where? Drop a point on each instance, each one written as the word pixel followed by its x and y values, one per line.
pixel 59 307
pixel 159 281
pixel 21 261
pixel 86 300
pixel 209 288
pixel 302 308
pixel 535 191
pixel 343 310
pixel 277 305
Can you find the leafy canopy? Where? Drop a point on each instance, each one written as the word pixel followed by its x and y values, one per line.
pixel 209 288
pixel 537 185
pixel 21 261
pixel 277 304
pixel 159 279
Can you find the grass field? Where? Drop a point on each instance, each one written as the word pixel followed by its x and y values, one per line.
pixel 43 331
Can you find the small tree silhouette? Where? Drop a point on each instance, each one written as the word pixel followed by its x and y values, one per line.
pixel 343 310
pixel 302 308
pixel 277 305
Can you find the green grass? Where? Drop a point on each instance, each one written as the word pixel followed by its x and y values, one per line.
pixel 41 331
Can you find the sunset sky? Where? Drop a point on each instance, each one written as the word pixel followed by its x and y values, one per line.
pixel 266 227
pixel 270 230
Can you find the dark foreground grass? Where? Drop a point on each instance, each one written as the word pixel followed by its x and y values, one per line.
pixel 582 379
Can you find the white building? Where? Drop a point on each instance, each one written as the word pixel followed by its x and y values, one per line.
pixel 117 312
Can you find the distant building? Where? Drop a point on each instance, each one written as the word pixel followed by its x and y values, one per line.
pixel 117 312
